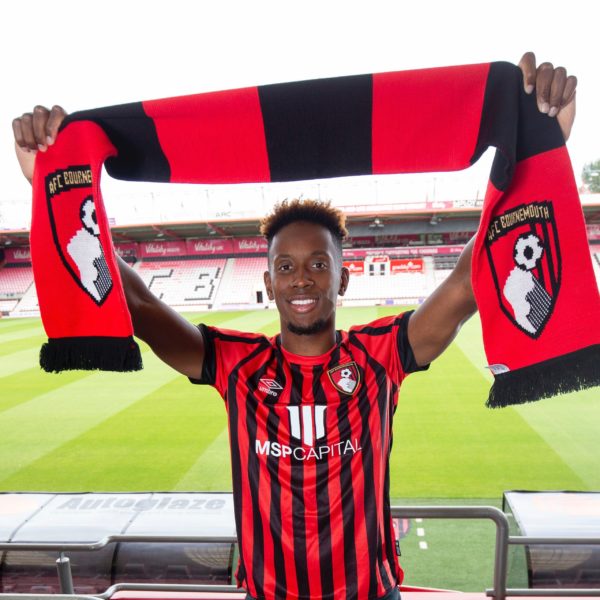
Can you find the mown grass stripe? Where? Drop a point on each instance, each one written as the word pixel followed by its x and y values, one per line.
pixel 31 429
pixel 20 382
pixel 470 341
pixel 23 344
pixel 14 392
pixel 10 324
pixel 212 469
pixel 147 445
pixel 103 439
pixel 17 362
pixel 21 334
pixel 448 444
pixel 567 423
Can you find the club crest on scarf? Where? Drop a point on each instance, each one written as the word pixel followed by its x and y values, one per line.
pixel 524 255
pixel 77 233
pixel 345 378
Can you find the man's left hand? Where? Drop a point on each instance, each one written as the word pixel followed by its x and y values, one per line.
pixel 555 91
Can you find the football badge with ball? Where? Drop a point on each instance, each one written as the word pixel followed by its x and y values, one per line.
pixel 524 255
pixel 345 378
pixel 77 233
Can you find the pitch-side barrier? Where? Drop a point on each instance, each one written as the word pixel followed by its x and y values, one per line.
pixel 498 591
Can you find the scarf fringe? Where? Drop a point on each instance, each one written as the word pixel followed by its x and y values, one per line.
pixel 568 373
pixel 91 353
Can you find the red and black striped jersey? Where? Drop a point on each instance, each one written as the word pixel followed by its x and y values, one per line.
pixel 310 442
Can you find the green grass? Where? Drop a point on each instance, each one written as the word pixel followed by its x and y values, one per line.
pixel 154 431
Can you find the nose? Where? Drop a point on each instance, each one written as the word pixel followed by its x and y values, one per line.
pixel 302 279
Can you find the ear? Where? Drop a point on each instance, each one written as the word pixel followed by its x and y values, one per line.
pixel 344 281
pixel 268 285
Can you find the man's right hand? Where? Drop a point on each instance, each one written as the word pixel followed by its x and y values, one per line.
pixel 172 338
pixel 35 131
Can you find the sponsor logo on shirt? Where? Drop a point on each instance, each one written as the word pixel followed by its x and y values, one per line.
pixel 269 386
pixel 307 424
pixel 312 425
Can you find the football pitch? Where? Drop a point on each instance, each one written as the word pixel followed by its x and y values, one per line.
pixel 153 430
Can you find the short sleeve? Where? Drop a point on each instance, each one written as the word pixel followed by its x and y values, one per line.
pixel 405 351
pixel 209 366
pixel 384 342
pixel 225 351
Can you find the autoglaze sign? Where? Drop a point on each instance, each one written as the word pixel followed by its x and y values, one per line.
pixel 136 504
pixel 90 517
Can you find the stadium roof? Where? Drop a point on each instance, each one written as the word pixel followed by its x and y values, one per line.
pixel 433 217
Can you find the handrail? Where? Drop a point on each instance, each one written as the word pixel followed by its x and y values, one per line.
pixel 165 587
pixel 471 512
pixel 499 590
pixel 109 539
pixel 520 540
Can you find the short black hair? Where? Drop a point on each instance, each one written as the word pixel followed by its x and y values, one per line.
pixel 311 211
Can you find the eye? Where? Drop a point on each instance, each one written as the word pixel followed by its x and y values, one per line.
pixel 320 265
pixel 284 267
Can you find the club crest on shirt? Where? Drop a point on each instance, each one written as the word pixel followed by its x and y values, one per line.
pixel 524 255
pixel 345 378
pixel 76 231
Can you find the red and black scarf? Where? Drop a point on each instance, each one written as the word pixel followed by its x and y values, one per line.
pixel 532 271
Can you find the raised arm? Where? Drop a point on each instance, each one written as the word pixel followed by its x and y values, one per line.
pixel 437 321
pixel 172 338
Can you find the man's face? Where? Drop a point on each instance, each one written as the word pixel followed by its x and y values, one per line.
pixel 305 277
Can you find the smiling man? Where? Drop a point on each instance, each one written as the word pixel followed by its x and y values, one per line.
pixel 310 421
pixel 310 410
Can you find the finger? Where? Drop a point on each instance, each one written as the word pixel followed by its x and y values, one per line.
pixel 566 117
pixel 57 116
pixel 557 89
pixel 543 84
pixel 569 91
pixel 27 132
pixel 18 133
pixel 40 117
pixel 527 66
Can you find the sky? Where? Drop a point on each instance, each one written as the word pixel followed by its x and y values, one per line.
pixel 85 54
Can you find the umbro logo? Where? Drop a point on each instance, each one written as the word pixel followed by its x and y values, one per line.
pixel 269 386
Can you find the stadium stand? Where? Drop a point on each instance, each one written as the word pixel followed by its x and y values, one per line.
pixel 7 306
pixel 243 284
pixel 442 267
pixel 15 280
pixel 183 284
pixel 380 288
pixel 28 306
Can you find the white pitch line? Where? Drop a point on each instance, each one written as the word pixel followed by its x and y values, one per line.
pixel 423 545
pixel 419 520
pixel 420 531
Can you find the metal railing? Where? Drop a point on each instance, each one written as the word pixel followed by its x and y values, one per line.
pixel 499 591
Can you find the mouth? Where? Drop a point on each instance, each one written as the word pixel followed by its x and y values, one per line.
pixel 303 305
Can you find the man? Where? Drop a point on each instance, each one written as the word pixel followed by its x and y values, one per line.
pixel 310 410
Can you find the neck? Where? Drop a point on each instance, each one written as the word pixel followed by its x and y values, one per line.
pixel 312 344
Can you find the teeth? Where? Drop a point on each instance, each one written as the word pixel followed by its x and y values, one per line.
pixel 303 302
